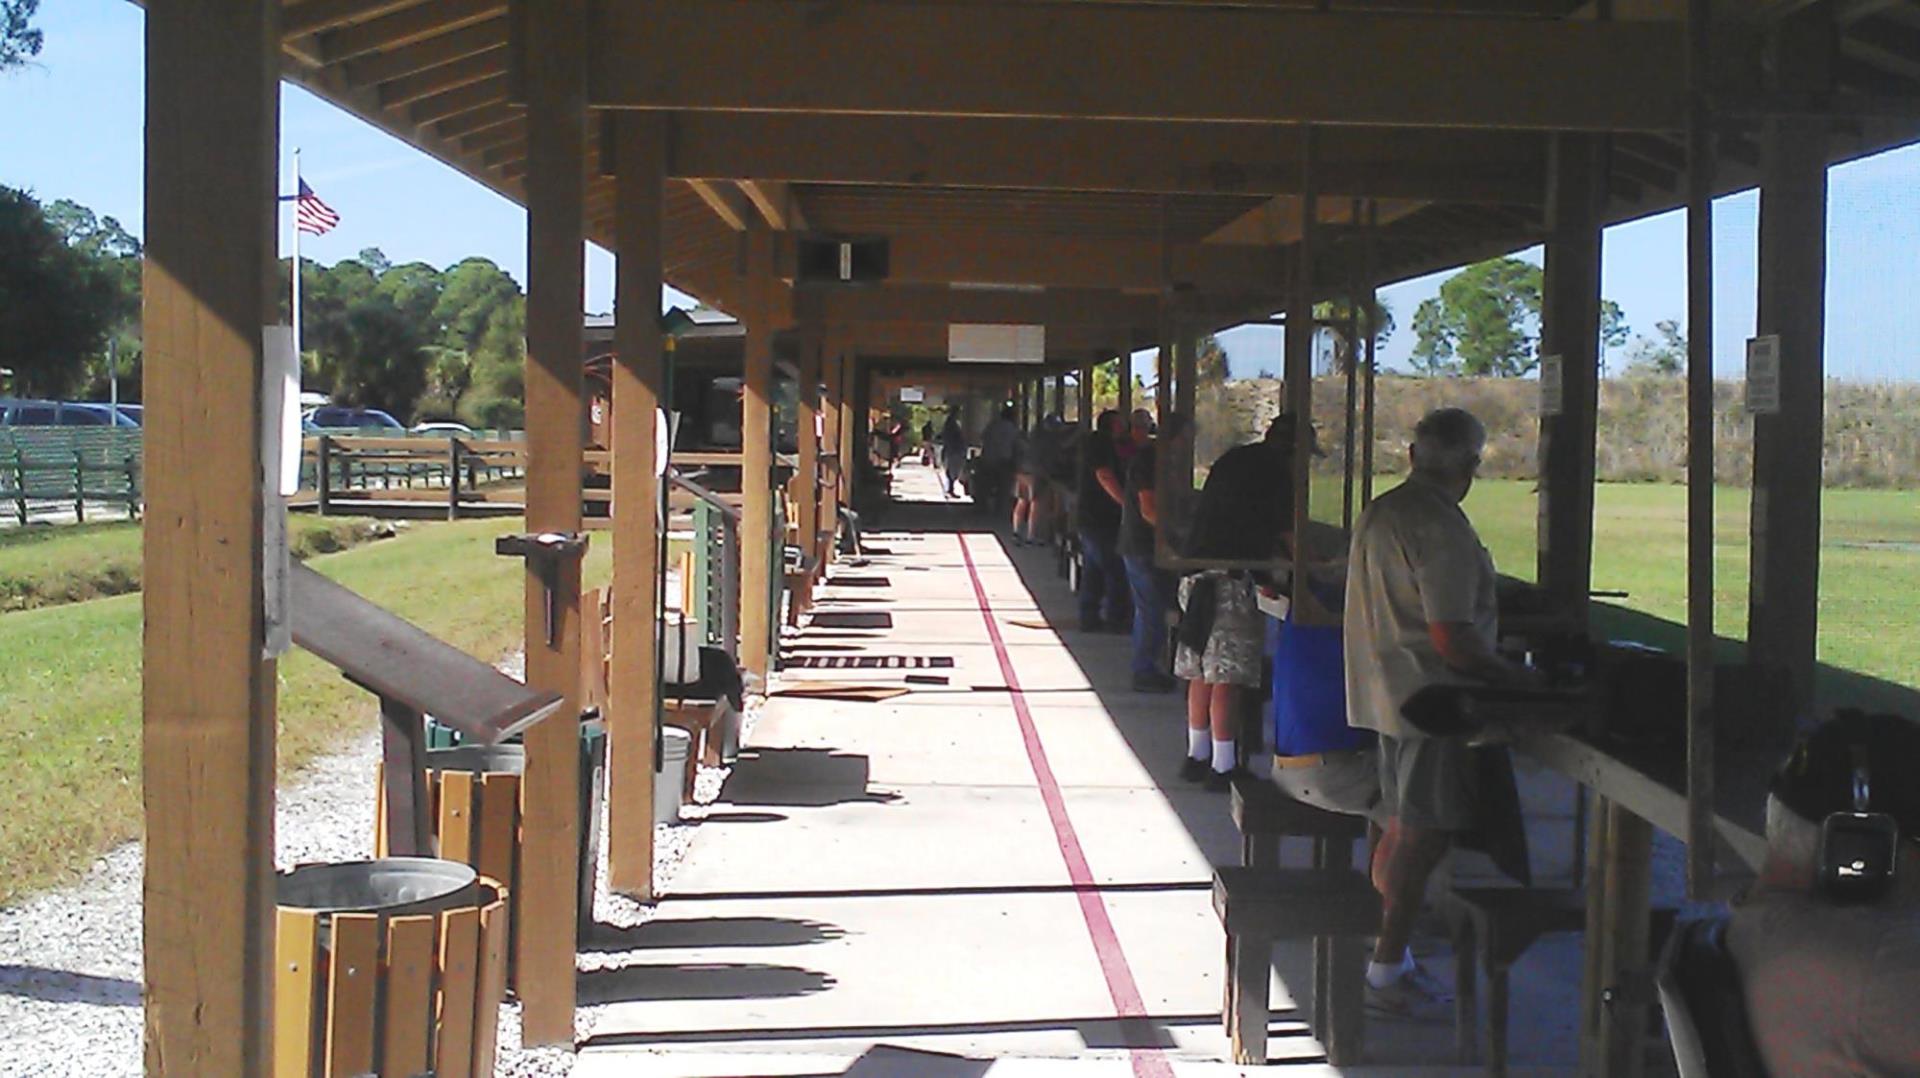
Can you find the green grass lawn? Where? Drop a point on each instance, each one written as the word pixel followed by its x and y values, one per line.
pixel 1869 580
pixel 71 563
pixel 70 675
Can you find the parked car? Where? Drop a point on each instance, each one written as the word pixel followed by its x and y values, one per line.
pixel 444 430
pixel 341 417
pixel 133 412
pixel 16 412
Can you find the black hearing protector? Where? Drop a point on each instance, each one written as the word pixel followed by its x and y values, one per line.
pixel 1859 850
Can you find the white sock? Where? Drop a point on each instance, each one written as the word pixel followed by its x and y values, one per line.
pixel 1222 755
pixel 1382 974
pixel 1197 743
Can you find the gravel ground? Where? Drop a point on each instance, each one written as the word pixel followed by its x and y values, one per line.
pixel 70 961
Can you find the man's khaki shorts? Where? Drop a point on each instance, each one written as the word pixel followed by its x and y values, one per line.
pixel 1428 782
pixel 1344 782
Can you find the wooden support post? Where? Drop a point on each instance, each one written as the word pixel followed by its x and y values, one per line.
pixel 808 432
pixel 1083 416
pixel 403 765
pixel 1700 479
pixel 1368 256
pixel 1784 588
pixel 1570 336
pixel 551 51
pixel 1186 357
pixel 1623 942
pixel 1299 378
pixel 1124 404
pixel 639 374
pixel 852 430
pixel 832 409
pixel 756 463
pixel 212 149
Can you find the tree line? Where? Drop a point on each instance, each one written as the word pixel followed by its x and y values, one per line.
pixel 1486 322
pixel 419 342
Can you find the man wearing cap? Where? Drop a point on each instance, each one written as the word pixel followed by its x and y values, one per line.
pixel 1245 513
pixel 1420 611
pixel 1831 978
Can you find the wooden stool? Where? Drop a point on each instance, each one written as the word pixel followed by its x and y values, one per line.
pixel 1265 815
pixel 1491 928
pixel 1258 907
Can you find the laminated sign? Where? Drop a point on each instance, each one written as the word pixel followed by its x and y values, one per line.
pixel 1552 391
pixel 1763 375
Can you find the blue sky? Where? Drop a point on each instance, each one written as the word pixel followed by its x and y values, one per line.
pixel 73 130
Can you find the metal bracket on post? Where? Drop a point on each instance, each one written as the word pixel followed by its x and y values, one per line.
pixel 544 553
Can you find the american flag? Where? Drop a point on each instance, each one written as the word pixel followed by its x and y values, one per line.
pixel 313 216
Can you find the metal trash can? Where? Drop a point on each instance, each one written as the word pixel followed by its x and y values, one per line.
pixel 392 966
pixel 675 745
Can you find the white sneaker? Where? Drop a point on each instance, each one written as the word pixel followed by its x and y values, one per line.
pixel 1414 996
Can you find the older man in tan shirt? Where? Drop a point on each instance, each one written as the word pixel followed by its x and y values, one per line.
pixel 1419 612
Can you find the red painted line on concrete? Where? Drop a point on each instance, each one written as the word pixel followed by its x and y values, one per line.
pixel 1147 1062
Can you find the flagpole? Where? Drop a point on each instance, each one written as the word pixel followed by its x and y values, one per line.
pixel 298 354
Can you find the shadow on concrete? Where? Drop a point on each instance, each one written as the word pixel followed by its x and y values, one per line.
pixel 712 932
pixel 742 817
pixel 62 986
pixel 852 619
pixel 1102 1031
pixel 848 580
pixel 885 1061
pixel 799 778
pixel 718 980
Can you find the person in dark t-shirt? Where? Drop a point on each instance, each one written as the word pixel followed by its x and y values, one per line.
pixel 1097 496
pixel 1148 584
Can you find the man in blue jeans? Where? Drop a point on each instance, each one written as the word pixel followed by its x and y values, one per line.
pixel 1103 578
pixel 1148 583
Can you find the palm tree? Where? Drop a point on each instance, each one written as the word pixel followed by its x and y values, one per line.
pixel 1349 327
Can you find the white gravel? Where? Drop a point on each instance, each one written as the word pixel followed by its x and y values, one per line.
pixel 70 960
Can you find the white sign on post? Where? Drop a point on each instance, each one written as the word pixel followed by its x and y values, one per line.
pixel 280 450
pixel 1763 375
pixel 1552 386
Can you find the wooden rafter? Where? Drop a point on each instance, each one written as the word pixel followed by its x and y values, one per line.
pixel 727 203
pixel 316 16
pixel 1058 61
pixel 438 80
pixel 406 26
pixel 451 103
pixel 406 60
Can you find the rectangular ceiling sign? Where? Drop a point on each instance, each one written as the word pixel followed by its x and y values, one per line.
pixel 969 342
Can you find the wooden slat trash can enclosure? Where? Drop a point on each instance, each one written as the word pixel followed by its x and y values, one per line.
pixel 397 991
pixel 473 809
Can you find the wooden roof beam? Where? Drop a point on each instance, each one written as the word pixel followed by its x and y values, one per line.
pixel 468 123
pixel 948 257
pixel 406 26
pixel 438 80
pixel 727 202
pixel 316 16
pixel 1058 61
pixel 488 91
pixel 938 305
pixel 445 49
pixel 777 204
pixel 1106 156
pixel 492 136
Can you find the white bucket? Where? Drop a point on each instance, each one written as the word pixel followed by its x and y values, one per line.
pixel 727 727
pixel 674 746
pixel 680 665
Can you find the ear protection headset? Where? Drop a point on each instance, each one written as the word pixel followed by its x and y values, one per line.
pixel 1859 850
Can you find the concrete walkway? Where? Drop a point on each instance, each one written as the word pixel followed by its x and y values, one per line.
pixel 1001 869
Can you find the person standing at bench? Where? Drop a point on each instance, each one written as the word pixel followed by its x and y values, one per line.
pixel 1420 611
pixel 953 454
pixel 1830 967
pixel 1097 498
pixel 1245 514
pixel 1148 584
